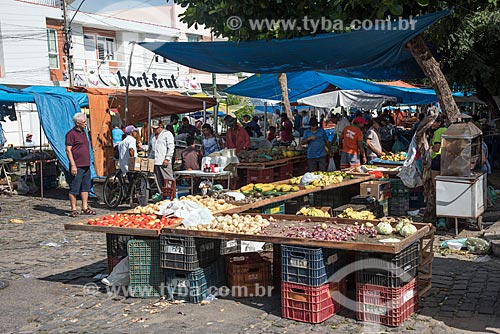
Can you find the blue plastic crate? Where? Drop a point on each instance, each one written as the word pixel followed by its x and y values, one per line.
pixel 193 286
pixel 309 266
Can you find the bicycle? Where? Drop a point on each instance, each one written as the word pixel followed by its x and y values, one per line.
pixel 135 188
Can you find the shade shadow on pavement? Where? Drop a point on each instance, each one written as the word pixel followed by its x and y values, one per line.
pixel 79 276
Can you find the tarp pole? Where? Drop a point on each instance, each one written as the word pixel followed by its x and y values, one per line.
pixel 127 83
pixel 265 119
pixel 150 110
pixel 216 120
pixel 41 163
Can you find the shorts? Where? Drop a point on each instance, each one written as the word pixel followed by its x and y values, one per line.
pixel 349 160
pixel 81 182
pixel 436 163
pixel 163 173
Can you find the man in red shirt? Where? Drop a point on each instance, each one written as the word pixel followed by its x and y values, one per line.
pixel 286 130
pixel 236 136
pixel 78 151
pixel 352 150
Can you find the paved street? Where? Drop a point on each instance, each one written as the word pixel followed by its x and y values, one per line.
pixel 47 267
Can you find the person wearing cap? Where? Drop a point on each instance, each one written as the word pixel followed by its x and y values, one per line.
pixel 316 139
pixel 127 148
pixel 162 151
pixel 352 152
pixel 236 136
pixel 374 148
pixel 28 141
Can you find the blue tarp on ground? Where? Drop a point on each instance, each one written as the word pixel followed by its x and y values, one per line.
pixel 354 51
pixel 305 84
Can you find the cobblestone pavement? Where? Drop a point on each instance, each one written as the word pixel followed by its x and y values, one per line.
pixel 46 293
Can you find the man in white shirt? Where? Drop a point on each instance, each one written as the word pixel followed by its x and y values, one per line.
pixel 127 148
pixel 162 151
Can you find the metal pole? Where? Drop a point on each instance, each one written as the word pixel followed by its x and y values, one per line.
pixel 127 83
pixel 265 119
pixel 204 111
pixel 41 164
pixel 150 111
pixel 67 42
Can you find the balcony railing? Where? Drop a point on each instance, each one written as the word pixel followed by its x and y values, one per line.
pixel 51 3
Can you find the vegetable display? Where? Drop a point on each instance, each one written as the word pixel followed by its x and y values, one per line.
pixel 384 228
pixel 243 224
pixel 361 215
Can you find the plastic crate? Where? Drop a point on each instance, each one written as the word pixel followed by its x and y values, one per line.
pixel 187 253
pixel 146 276
pixel 230 246
pixel 416 200
pixel 247 274
pixel 398 188
pixel 191 286
pixel 309 266
pixel 406 260
pixel 355 207
pixel 260 175
pixel 306 303
pixel 386 306
pixel 399 206
pixel 283 172
pixel 116 248
pixel 271 209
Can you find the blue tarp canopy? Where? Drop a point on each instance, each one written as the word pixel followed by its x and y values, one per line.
pixel 13 95
pixel 81 98
pixel 357 51
pixel 305 84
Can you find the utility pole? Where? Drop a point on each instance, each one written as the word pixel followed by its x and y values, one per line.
pixel 67 42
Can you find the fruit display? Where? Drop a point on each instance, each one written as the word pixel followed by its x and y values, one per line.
pixel 313 212
pixel 214 205
pixel 260 190
pixel 243 224
pixel 401 156
pixel 150 221
pixel 326 178
pixel 384 228
pixel 232 200
pixel 350 213
pixel 260 155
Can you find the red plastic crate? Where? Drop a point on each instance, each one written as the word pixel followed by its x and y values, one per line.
pixel 283 172
pixel 312 304
pixel 386 306
pixel 260 175
pixel 247 274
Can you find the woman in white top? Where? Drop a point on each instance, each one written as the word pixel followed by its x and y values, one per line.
pixel 374 148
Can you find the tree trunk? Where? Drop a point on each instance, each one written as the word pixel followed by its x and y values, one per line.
pixel 431 69
pixel 428 183
pixel 284 93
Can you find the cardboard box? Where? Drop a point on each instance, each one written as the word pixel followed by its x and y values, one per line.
pixel 381 190
pixel 141 164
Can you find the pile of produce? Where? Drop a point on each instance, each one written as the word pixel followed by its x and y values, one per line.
pixel 262 155
pixel 232 200
pixel 313 212
pixel 151 221
pixel 260 190
pixel 242 224
pixel 362 215
pixel 213 204
pixel 404 226
pixel 401 156
pixel 329 232
pixel 326 178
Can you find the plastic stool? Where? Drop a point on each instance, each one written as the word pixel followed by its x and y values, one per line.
pixel 169 189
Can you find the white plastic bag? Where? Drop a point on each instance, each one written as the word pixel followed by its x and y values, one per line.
pixel 308 178
pixel 120 274
pixel 180 209
pixel 331 166
pixel 197 217
pixel 409 173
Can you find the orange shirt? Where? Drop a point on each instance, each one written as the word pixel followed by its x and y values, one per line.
pixel 350 137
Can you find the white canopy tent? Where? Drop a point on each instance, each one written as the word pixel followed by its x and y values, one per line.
pixel 347 98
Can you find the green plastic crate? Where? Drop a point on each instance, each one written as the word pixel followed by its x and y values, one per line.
pixel 271 209
pixel 146 276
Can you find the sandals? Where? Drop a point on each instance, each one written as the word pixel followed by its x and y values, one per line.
pixel 88 211
pixel 73 213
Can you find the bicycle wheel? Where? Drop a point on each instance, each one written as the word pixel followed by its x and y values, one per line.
pixel 139 193
pixel 113 191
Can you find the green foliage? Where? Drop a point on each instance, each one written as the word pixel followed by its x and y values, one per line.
pixel 233 100
pixel 246 110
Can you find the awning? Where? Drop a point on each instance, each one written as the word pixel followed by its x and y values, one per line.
pixel 347 98
pixel 354 51
pixel 163 103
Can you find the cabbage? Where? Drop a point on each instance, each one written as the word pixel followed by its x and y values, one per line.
pixel 384 228
pixel 407 230
pixel 399 226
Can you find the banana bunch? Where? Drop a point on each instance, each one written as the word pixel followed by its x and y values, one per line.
pixel 393 156
pixel 362 215
pixel 286 188
pixel 313 212
pixel 295 180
